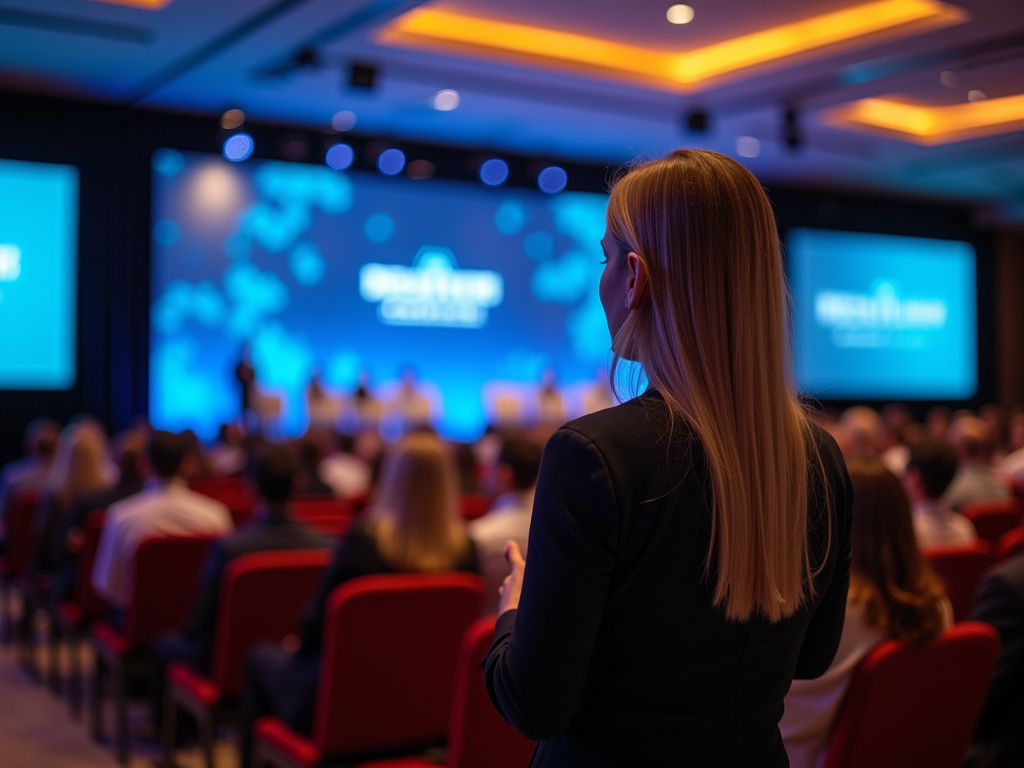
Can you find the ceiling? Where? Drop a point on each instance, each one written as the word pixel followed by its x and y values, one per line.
pixel 289 61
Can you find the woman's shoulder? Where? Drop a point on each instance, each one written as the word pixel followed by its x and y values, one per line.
pixel 642 421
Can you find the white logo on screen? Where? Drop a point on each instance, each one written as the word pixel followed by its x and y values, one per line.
pixel 432 292
pixel 10 263
pixel 879 319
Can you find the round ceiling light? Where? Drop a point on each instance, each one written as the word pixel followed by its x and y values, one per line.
pixel 679 14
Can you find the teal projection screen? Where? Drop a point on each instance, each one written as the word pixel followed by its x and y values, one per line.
pixel 38 274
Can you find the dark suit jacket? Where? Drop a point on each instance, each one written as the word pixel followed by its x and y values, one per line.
pixel 999 738
pixel 262 535
pixel 616 656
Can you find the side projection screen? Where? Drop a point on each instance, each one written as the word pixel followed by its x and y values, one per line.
pixel 38 274
pixel 345 272
pixel 883 317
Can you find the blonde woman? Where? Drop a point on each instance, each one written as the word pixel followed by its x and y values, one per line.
pixel 413 525
pixel 81 467
pixel 689 550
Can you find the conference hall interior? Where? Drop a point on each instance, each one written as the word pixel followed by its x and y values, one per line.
pixel 294 293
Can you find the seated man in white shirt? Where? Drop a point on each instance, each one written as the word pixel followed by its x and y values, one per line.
pixel 512 478
pixel 165 507
pixel 930 471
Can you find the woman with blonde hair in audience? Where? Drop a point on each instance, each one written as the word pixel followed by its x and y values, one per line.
pixel 413 525
pixel 81 467
pixel 688 549
pixel 893 594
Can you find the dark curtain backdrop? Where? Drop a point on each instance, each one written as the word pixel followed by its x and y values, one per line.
pixel 112 147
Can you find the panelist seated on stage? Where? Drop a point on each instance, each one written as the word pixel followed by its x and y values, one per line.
pixel 930 470
pixel 272 529
pixel 513 478
pixel 413 526
pixel 165 507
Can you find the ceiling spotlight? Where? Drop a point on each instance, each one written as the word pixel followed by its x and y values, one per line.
pixel 343 121
pixel 339 157
pixel 975 96
pixel 792 135
pixel 446 100
pixel 494 172
pixel 747 146
pixel 238 147
pixel 232 119
pixel 390 162
pixel 697 121
pixel 948 79
pixel 363 76
pixel 679 14
pixel 552 179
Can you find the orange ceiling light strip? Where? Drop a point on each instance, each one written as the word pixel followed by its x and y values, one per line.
pixel 930 125
pixel 149 5
pixel 439 29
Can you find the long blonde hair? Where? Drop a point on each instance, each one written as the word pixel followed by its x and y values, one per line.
pixel 415 519
pixel 712 335
pixel 81 464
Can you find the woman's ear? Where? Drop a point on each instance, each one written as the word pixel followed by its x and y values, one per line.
pixel 636 282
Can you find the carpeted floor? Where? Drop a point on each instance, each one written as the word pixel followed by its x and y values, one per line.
pixel 37 730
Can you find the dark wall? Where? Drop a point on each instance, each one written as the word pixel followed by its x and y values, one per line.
pixel 112 147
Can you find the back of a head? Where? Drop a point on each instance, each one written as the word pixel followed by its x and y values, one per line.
pixel 712 337
pixel 166 451
pixel 41 437
pixel 80 462
pixel 522 456
pixel 416 508
pixel 129 446
pixel 935 462
pixel 275 474
pixel 971 439
pixel 901 595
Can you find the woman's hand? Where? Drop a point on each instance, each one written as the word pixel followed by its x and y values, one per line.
pixel 513 585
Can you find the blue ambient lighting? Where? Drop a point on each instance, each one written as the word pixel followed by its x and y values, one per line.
pixel 391 162
pixel 494 172
pixel 552 179
pixel 238 147
pixel 339 157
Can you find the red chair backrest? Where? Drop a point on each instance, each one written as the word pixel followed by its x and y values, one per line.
pixel 390 648
pixel 93 606
pixel 329 516
pixel 214 485
pixel 473 505
pixel 995 517
pixel 261 598
pixel 232 492
pixel 910 707
pixel 166 576
pixel 1010 544
pixel 20 508
pixel 961 569
pixel 477 736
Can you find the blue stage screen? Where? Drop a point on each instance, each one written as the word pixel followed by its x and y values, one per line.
pixel 346 271
pixel 882 316
pixel 38 275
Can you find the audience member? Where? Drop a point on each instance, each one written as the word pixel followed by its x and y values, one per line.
pixel 307 477
pixel 930 470
pixel 271 529
pixel 975 480
pixel 227 455
pixel 999 736
pixel 893 594
pixel 80 468
pixel 345 474
pixel 31 471
pixel 937 421
pixel 198 465
pixel 165 507
pixel 512 479
pixel 865 432
pixel 1013 465
pixel 413 525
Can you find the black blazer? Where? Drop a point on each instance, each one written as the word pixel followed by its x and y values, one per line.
pixel 616 656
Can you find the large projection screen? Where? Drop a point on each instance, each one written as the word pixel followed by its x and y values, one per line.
pixel 883 317
pixel 38 275
pixel 345 272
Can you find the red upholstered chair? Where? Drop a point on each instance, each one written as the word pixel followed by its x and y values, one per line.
pixel 165 578
pixel 261 598
pixel 232 492
pixel 390 648
pixel 72 618
pixel 995 517
pixel 477 736
pixel 1010 544
pixel 473 505
pixel 329 516
pixel 18 511
pixel 961 569
pixel 909 707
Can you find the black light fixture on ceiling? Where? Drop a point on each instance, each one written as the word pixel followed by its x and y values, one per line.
pixel 792 134
pixel 697 121
pixel 362 75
